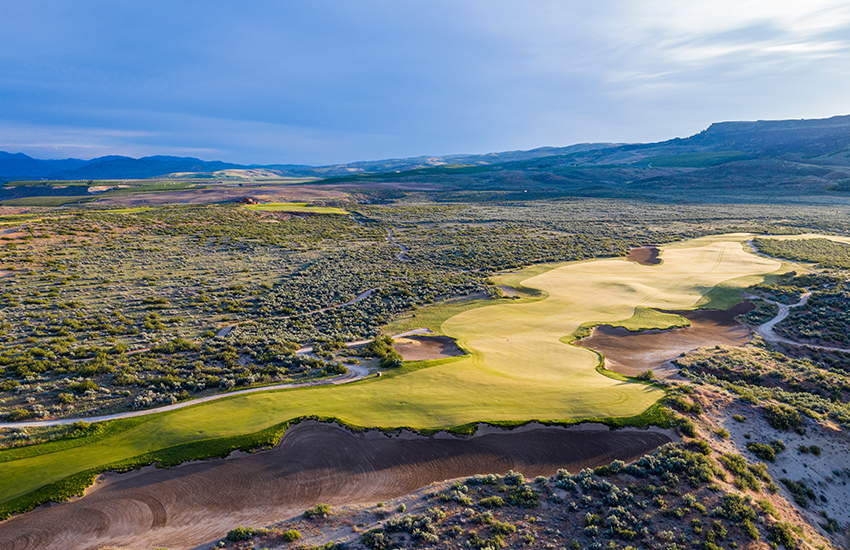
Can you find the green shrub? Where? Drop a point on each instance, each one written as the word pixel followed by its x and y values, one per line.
pixel 646 375
pixel 17 415
pixel 382 347
pixel 291 535
pixel 783 534
pixel 734 509
pixel 800 491
pixel 66 398
pixel 764 452
pixel 241 533
pixel 702 447
pixel 502 528
pixel 82 387
pixel 723 433
pixel 376 539
pixel 767 508
pixel 317 511
pixel 524 496
pixel 759 469
pixel 514 478
pixel 686 406
pixel 492 502
pixel 9 385
pixel 739 418
pixel 782 417
pixel 454 531
pixel 737 465
pixel 391 360
pixel 778 445
pixel 831 525
pixel 686 426
pixel 749 528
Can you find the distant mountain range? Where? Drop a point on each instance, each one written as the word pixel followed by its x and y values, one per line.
pixel 786 155
pixel 20 166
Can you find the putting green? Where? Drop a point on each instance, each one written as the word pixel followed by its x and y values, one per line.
pixel 518 367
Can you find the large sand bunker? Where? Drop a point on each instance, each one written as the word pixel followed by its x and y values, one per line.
pixel 645 255
pixel 631 353
pixel 420 348
pixel 198 502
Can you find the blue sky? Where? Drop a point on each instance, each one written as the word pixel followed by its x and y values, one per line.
pixel 321 82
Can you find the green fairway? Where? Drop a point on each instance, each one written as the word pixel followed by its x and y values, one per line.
pixel 519 367
pixel 296 207
pixel 835 238
pixel 133 210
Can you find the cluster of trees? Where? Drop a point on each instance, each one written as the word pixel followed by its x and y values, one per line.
pixel 382 348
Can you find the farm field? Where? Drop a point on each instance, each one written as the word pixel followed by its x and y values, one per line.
pixel 295 207
pixel 519 368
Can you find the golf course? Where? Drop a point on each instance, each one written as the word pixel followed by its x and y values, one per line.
pixel 519 366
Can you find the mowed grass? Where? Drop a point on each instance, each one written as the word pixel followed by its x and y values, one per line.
pixel 834 238
pixel 523 342
pixel 132 210
pixel 518 369
pixel 296 207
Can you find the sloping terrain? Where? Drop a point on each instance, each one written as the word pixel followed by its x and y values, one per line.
pixel 729 161
pixel 197 502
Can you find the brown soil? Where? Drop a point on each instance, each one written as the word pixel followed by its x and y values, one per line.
pixel 420 348
pixel 645 255
pixel 283 193
pixel 631 353
pixel 199 502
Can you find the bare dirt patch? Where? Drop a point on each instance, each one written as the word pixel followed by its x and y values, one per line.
pixel 199 502
pixel 420 348
pixel 508 292
pixel 645 255
pixel 631 353
pixel 283 193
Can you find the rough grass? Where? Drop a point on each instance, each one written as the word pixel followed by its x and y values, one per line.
pixel 49 201
pixel 296 207
pixel 432 317
pixel 518 370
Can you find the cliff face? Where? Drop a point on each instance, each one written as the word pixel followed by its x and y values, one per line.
pixel 803 137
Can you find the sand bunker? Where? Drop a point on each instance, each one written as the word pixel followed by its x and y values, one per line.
pixel 631 353
pixel 199 502
pixel 645 255
pixel 420 348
